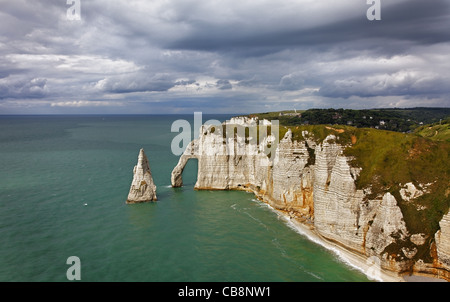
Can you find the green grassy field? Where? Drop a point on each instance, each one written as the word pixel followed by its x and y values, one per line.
pixel 438 131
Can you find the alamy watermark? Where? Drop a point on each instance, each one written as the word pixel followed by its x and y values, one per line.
pixel 74 271
pixel 238 136
pixel 73 13
pixel 374 11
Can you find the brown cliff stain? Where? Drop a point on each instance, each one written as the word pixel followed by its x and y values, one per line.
pixel 365 230
pixel 413 153
pixel 308 200
pixel 337 130
pixel 435 269
pixel 420 146
pixel 297 200
pixel 434 254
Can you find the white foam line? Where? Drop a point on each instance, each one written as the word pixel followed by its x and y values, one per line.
pixel 314 275
pixel 329 247
pixel 302 230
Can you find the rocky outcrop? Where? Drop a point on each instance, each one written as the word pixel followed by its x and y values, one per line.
pixel 142 187
pixel 313 182
pixel 176 177
pixel 442 238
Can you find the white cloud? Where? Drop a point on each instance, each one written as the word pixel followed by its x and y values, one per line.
pixel 86 104
pixel 237 53
pixel 93 64
pixel 17 87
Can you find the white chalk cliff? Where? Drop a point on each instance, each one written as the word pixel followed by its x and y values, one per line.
pixel 142 188
pixel 314 183
pixel 443 241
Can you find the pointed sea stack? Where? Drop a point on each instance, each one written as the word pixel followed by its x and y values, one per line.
pixel 142 188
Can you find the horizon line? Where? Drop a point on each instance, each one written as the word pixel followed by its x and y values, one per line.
pixel 236 114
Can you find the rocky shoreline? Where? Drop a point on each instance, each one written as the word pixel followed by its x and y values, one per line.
pixel 356 261
pixel 311 182
pixel 370 268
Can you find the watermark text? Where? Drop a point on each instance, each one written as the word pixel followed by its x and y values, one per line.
pixel 374 11
pixel 238 136
pixel 74 271
pixel 73 13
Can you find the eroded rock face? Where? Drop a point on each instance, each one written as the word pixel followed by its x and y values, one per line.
pixel 339 211
pixel 142 187
pixel 313 181
pixel 442 238
pixel 292 177
pixel 387 226
pixel 190 152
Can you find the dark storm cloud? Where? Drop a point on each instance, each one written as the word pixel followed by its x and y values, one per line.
pixel 223 55
pixel 140 82
pixel 16 87
pixel 417 21
pixel 224 84
pixel 184 82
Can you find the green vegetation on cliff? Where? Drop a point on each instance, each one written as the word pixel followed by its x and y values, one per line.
pixel 388 160
pixel 394 119
pixel 438 131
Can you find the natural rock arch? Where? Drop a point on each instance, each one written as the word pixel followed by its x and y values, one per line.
pixel 176 177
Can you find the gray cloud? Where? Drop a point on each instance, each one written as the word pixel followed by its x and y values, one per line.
pixel 222 56
pixel 17 87
pixel 224 84
pixel 412 21
pixel 135 83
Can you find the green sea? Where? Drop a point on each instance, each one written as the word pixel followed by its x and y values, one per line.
pixel 64 181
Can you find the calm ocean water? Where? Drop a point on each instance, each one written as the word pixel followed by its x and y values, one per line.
pixel 63 185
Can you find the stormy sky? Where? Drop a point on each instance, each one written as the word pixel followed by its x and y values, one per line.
pixel 243 56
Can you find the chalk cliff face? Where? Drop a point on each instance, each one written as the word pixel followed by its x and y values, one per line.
pixel 313 182
pixel 142 187
pixel 443 241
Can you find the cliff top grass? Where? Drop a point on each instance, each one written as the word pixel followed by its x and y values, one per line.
pixel 394 119
pixel 388 160
pixel 438 131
